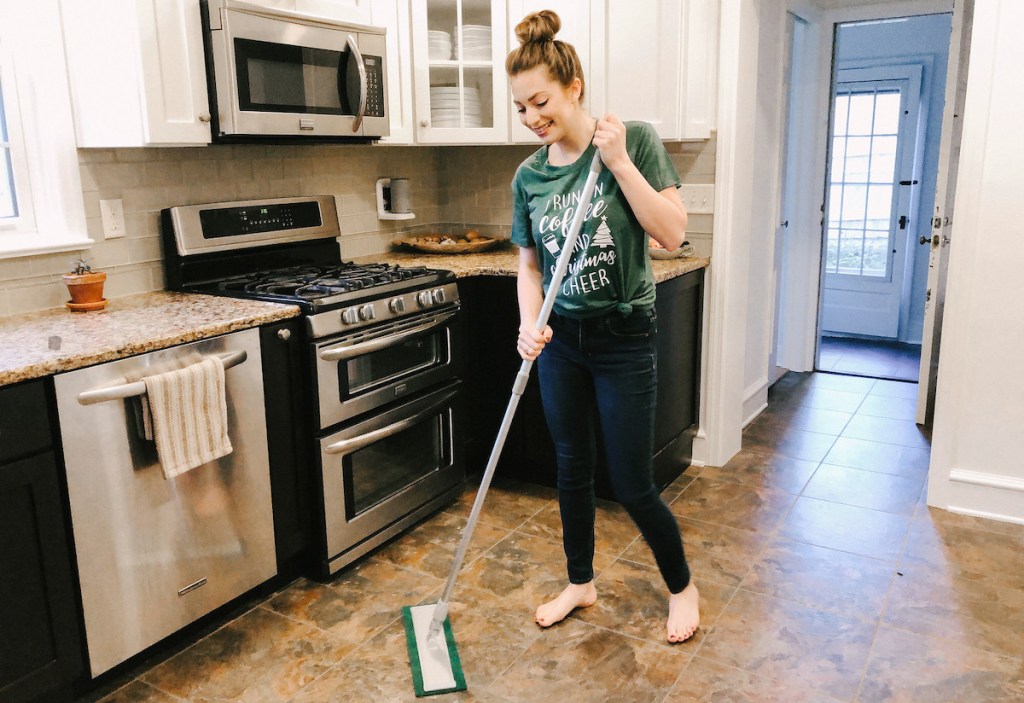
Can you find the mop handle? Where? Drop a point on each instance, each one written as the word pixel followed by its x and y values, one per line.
pixel 441 609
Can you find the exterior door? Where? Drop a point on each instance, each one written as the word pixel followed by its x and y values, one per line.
pixel 870 197
pixel 945 189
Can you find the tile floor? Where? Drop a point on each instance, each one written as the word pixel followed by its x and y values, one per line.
pixel 864 357
pixel 823 574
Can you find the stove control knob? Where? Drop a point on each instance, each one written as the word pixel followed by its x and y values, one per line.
pixel 350 316
pixel 366 312
pixel 396 305
pixel 424 299
pixel 438 296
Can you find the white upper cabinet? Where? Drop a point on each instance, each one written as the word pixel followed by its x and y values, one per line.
pixel 655 61
pixel 576 30
pixel 461 92
pixel 136 72
pixel 354 11
pixel 393 15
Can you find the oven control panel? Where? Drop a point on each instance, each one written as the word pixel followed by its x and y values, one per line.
pixel 384 309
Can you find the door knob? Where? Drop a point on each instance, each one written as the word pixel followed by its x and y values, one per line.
pixel 924 239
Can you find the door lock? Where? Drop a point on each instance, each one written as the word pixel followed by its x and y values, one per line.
pixel 903 221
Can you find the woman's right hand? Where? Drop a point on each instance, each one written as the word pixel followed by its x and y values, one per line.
pixel 531 341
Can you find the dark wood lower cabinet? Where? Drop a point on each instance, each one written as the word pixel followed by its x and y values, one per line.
pixel 491 315
pixel 40 646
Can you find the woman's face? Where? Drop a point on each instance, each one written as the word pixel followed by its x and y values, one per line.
pixel 545 106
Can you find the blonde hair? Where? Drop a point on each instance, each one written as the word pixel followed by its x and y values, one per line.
pixel 538 47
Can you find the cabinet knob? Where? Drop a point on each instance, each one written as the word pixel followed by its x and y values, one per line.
pixel 284 335
pixel 204 116
pixel 424 123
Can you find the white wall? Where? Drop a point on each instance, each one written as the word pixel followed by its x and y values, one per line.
pixel 977 462
pixel 925 40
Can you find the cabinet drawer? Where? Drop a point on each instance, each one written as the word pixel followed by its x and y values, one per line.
pixel 24 420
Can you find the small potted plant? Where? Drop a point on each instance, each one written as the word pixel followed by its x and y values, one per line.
pixel 85 287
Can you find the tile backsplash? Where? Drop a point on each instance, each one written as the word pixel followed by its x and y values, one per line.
pixel 452 187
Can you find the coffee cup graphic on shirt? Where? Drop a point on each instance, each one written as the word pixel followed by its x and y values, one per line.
pixel 551 243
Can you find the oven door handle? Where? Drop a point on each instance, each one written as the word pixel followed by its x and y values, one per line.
pixel 342 353
pixel 347 446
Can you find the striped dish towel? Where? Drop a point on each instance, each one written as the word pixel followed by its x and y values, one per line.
pixel 189 416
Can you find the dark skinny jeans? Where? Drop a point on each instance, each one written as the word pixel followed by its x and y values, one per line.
pixel 608 362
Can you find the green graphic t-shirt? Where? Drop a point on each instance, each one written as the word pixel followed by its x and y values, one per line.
pixel 610 268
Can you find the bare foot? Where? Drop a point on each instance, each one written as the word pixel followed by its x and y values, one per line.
pixel 574 596
pixel 683 614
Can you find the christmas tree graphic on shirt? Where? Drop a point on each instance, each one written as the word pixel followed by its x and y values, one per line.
pixel 603 235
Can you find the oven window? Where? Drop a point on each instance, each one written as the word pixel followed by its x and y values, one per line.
pixel 282 78
pixel 377 368
pixel 389 465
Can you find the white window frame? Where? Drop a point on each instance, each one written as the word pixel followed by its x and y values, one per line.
pixel 44 155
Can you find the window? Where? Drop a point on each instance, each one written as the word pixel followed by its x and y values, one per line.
pixel 41 205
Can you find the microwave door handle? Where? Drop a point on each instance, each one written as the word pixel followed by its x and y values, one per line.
pixel 347 446
pixel 342 353
pixel 358 58
pixel 132 390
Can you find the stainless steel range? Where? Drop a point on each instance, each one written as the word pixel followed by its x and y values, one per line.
pixel 382 350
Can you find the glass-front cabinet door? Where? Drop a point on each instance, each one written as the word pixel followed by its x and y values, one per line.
pixel 459 53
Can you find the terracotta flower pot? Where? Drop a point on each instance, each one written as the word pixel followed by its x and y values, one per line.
pixel 86 290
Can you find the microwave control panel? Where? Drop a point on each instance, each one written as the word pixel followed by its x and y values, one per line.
pixel 374 86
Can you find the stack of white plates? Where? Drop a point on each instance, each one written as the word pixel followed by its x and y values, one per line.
pixel 476 43
pixel 439 45
pixel 449 103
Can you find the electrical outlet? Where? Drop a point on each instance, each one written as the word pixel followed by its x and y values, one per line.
pixel 699 199
pixel 112 214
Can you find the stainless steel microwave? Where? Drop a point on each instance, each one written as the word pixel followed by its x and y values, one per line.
pixel 281 75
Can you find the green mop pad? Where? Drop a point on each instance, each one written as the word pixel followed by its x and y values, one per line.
pixel 436 667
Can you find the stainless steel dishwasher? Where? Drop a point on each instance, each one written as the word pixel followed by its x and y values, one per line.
pixel 154 554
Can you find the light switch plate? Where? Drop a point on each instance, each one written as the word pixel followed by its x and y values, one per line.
pixel 699 199
pixel 112 214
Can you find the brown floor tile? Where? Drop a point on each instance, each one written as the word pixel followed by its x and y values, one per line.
pixel 764 470
pixel 801 417
pixel 138 692
pixel 826 399
pixel 671 491
pixel 508 503
pixel 865 489
pixel 430 546
pixel 894 389
pixel 823 578
pixel 786 641
pixel 870 533
pixel 379 672
pixel 895 408
pixel 577 662
pixel 524 569
pixel 905 667
pixel 888 431
pixel 261 656
pixel 944 601
pixel 733 504
pixel 632 599
pixel 877 456
pixel 799 444
pixel 614 530
pixel 967 544
pixel 713 552
pixel 840 382
pixel 358 604
pixel 708 680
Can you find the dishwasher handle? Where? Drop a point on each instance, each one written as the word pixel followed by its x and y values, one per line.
pixel 134 390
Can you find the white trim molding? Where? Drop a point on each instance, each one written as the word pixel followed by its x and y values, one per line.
pixel 979 478
pixel 755 400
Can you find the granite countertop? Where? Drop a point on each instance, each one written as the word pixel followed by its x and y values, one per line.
pixel 504 261
pixel 51 341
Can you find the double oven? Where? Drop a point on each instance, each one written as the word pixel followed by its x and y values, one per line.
pixel 381 361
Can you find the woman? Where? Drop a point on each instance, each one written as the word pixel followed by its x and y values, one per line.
pixel 598 348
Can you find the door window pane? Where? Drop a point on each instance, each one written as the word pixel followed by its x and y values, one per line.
pixel 863 173
pixel 8 201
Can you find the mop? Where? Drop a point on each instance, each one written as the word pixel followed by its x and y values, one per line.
pixel 428 633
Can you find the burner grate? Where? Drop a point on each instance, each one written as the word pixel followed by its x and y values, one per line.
pixel 314 282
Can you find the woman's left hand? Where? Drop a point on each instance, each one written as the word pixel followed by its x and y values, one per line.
pixel 610 140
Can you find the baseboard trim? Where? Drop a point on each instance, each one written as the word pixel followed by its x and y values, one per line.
pixel 755 400
pixel 978 478
pixel 1001 517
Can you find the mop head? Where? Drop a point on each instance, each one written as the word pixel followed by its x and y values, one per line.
pixel 435 663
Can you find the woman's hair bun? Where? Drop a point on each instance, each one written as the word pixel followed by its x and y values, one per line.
pixel 538 27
